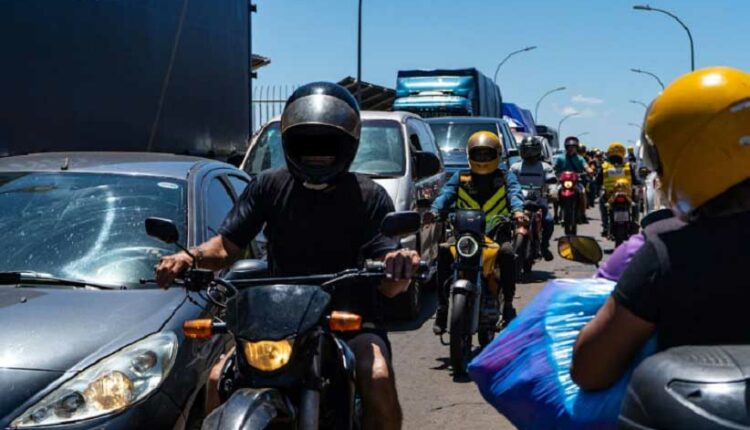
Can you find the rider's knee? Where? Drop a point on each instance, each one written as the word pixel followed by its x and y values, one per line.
pixel 372 359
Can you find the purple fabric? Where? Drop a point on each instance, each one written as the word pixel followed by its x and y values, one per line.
pixel 614 266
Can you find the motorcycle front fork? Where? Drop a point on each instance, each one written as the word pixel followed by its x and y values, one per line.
pixel 309 416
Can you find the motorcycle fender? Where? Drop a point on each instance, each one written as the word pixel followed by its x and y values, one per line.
pixel 249 408
pixel 567 193
pixel 465 286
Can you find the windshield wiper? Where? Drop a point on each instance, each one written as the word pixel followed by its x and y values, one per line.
pixel 39 278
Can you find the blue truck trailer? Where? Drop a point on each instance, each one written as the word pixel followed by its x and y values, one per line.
pixel 443 92
pixel 128 75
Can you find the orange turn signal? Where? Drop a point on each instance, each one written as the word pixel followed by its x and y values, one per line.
pixel 344 321
pixel 198 329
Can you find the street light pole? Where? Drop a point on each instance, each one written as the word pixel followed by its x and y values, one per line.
pixel 526 49
pixel 582 134
pixel 359 54
pixel 636 125
pixel 650 74
pixel 690 36
pixel 559 124
pixel 636 102
pixel 536 109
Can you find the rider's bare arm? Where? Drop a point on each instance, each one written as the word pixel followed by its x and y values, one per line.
pixel 215 254
pixel 607 345
pixel 400 266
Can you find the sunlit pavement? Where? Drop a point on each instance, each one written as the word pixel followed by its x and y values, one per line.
pixel 429 396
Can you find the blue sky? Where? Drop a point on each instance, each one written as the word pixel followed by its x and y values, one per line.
pixel 588 46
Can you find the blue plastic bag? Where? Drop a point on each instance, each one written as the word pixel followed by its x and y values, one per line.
pixel 525 372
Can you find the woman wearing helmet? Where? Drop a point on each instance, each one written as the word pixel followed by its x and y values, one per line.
pixel 532 171
pixel 320 218
pixel 492 190
pixel 684 284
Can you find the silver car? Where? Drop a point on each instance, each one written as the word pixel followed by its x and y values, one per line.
pixel 398 151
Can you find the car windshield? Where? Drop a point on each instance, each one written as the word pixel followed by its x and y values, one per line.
pixel 86 226
pixel 380 153
pixel 452 137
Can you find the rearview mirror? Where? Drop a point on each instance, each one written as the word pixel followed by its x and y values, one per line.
pixel 397 224
pixel 580 248
pixel 427 164
pixel 643 172
pixel 513 152
pixel 162 229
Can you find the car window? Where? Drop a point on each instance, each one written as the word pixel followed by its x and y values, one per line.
pixel 218 204
pixel 95 221
pixel 508 136
pixel 426 138
pixel 452 137
pixel 239 184
pixel 380 153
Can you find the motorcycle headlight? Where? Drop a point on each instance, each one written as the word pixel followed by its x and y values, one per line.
pixel 110 385
pixel 568 184
pixel 267 355
pixel 467 247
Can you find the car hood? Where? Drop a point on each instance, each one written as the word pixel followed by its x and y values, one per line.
pixel 60 330
pixel 455 158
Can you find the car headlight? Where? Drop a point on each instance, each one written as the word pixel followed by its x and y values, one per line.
pixel 568 184
pixel 467 246
pixel 110 385
pixel 267 355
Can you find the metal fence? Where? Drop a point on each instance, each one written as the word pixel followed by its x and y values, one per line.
pixel 268 101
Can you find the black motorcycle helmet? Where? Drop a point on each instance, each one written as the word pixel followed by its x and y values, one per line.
pixel 572 141
pixel 530 148
pixel 320 129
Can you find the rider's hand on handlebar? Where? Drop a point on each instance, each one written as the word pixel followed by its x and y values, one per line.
pixel 401 265
pixel 170 267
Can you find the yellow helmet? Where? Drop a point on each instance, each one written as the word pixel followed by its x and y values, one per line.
pixel 697 136
pixel 483 151
pixel 616 149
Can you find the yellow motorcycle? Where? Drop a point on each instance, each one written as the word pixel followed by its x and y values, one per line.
pixel 475 301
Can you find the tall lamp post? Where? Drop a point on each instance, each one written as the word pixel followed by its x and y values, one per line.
pixel 565 118
pixel 636 125
pixel 359 54
pixel 536 109
pixel 582 134
pixel 637 102
pixel 690 36
pixel 526 49
pixel 650 74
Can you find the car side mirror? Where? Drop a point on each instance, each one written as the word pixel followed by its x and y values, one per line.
pixel 551 180
pixel 427 164
pixel 580 248
pixel 513 152
pixel 162 229
pixel 643 172
pixel 397 224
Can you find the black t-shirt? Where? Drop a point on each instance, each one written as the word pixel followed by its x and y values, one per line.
pixel 691 283
pixel 315 232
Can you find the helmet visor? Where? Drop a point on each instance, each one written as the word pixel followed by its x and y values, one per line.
pixel 482 154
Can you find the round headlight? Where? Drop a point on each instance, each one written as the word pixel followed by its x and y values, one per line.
pixel 467 246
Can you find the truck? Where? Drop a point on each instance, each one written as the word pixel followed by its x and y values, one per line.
pixel 125 75
pixel 444 92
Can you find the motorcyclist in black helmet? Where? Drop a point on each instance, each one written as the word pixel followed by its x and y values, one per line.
pixel 320 218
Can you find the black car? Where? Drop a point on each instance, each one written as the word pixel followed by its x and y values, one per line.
pixel 86 343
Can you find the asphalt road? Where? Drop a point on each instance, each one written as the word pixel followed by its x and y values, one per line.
pixel 429 396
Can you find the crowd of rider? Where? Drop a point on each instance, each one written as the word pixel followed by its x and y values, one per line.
pixel 696 138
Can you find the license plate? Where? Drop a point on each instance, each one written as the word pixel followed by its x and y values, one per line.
pixel 622 216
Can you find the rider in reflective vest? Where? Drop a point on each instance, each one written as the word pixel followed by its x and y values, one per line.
pixel 613 169
pixel 494 191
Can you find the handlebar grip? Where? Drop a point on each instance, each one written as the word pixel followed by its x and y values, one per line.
pixel 379 267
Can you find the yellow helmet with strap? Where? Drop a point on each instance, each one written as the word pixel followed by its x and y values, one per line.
pixel 697 136
pixel 483 150
pixel 616 149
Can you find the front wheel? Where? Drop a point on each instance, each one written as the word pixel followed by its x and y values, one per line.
pixel 570 217
pixel 460 337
